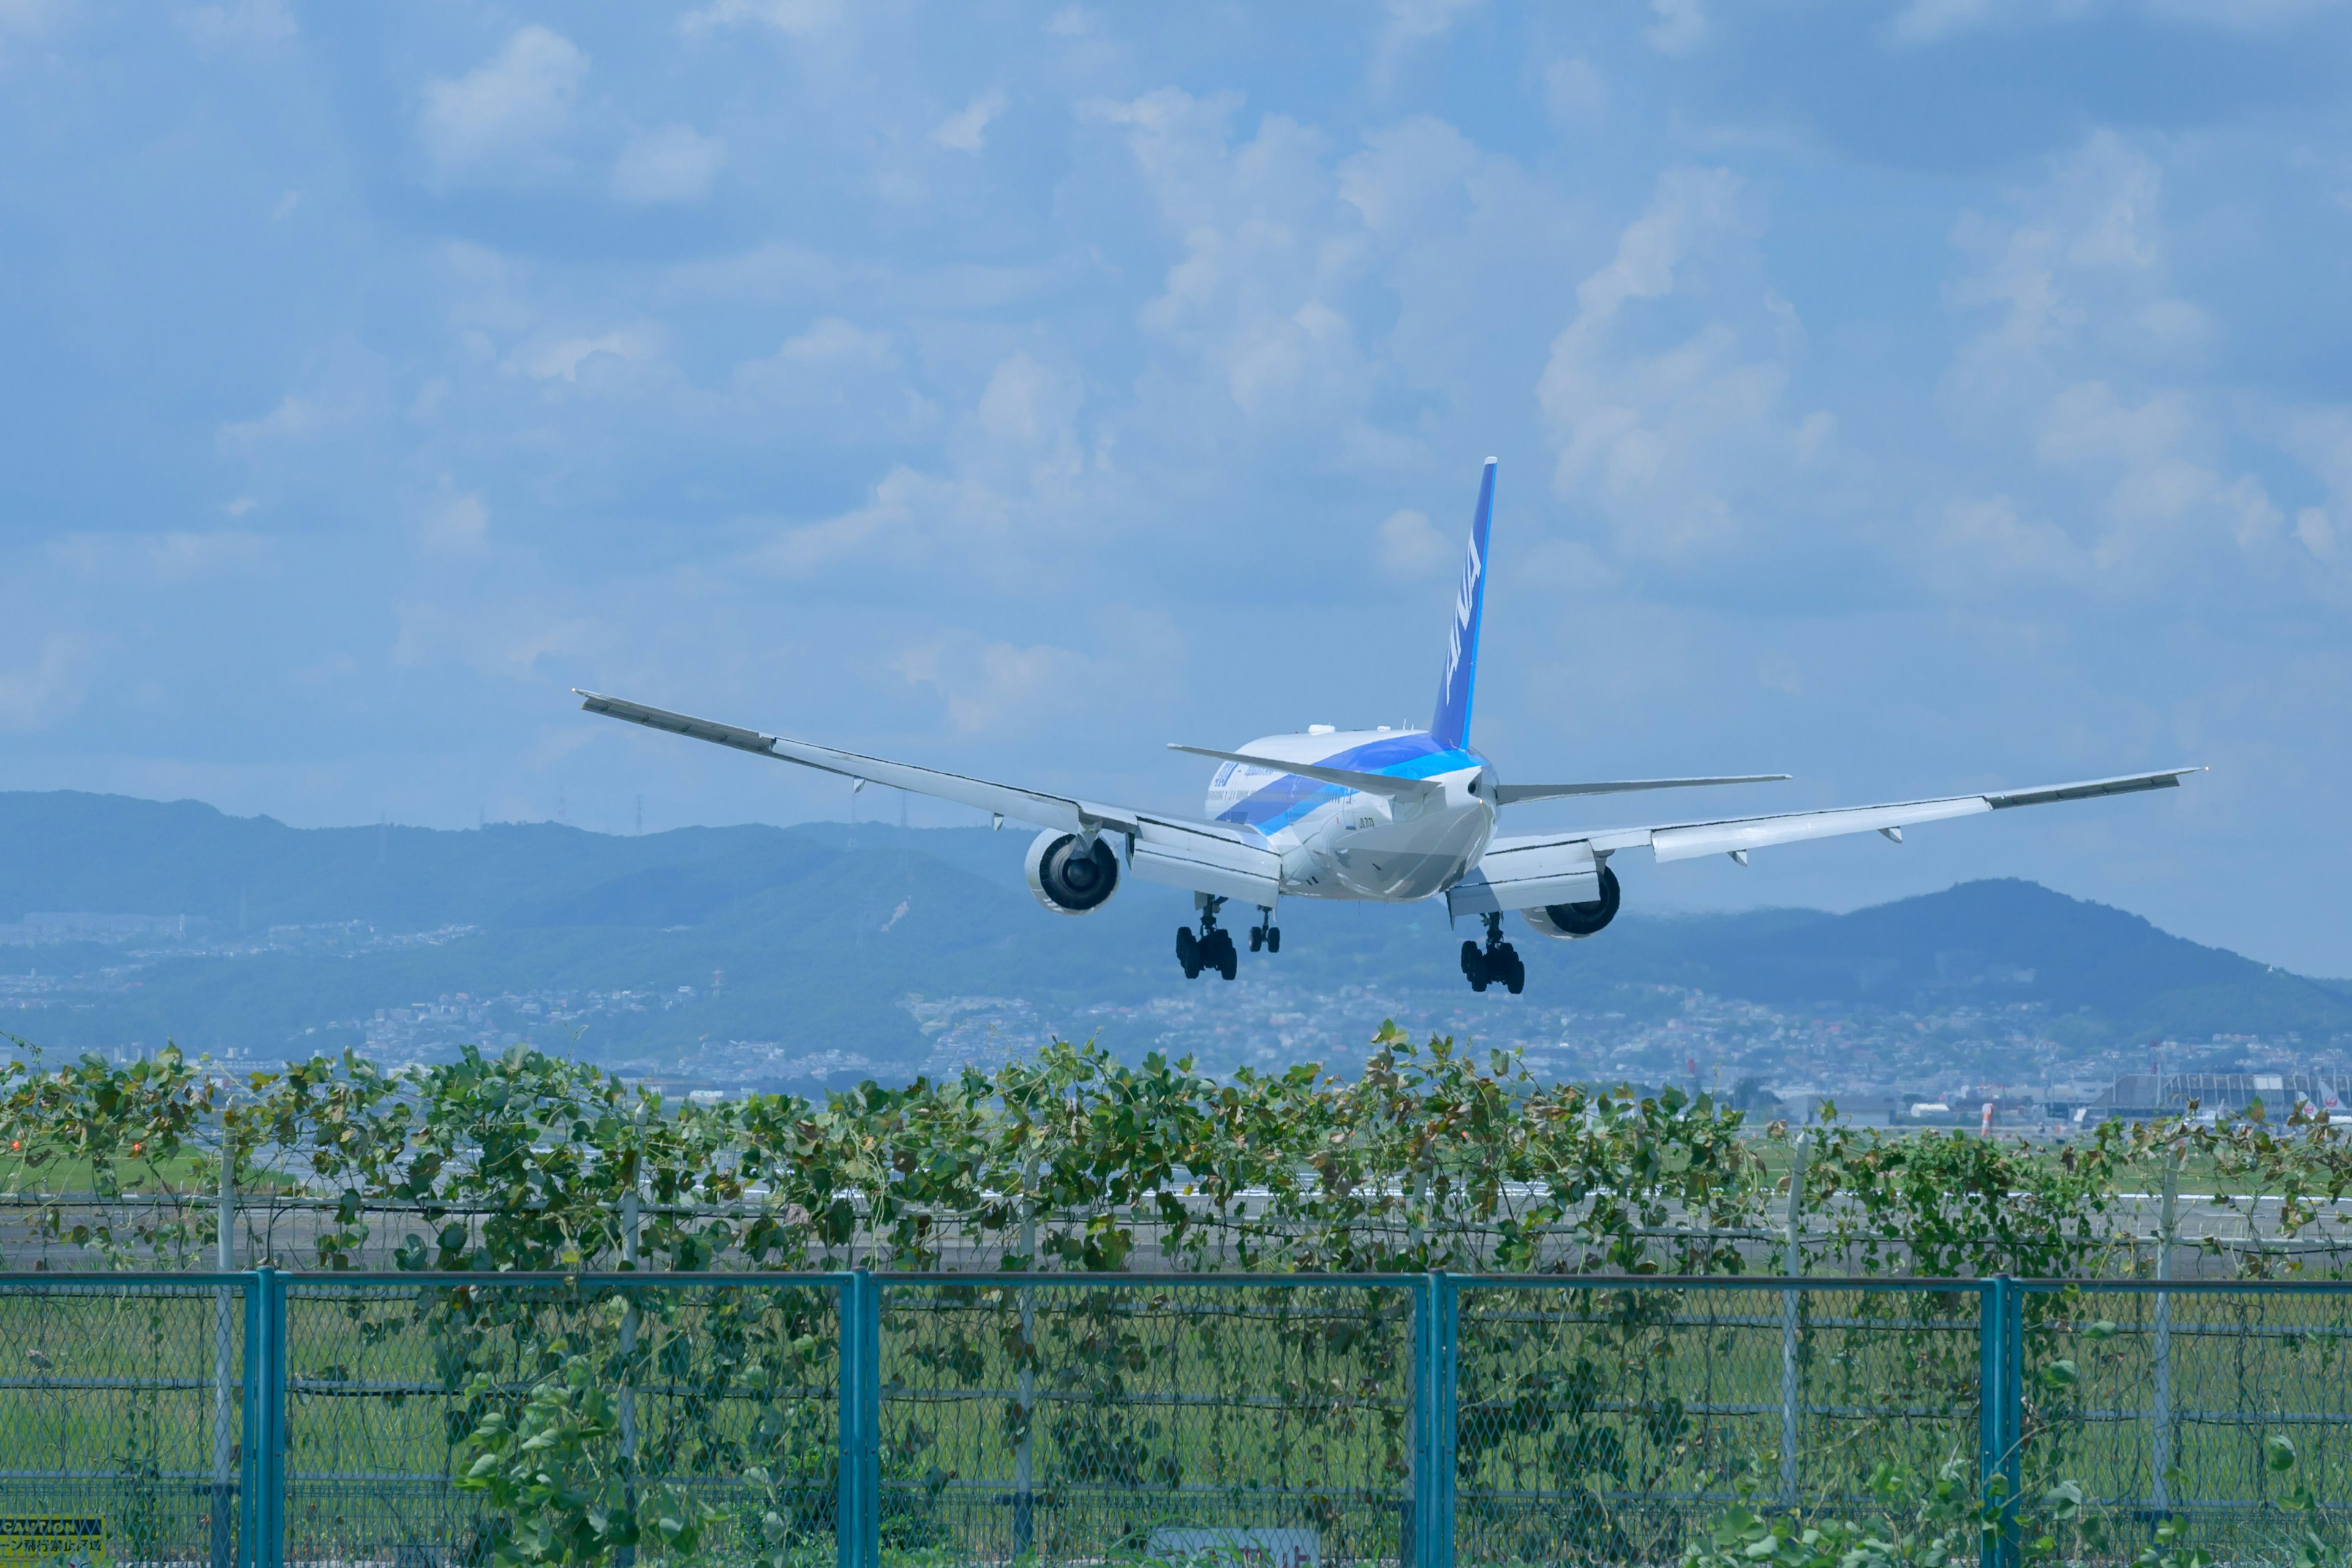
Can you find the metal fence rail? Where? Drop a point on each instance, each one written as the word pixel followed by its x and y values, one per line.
pixel 254 1420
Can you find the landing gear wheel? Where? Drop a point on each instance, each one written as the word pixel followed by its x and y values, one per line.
pixel 1273 939
pixel 1188 952
pixel 1257 938
pixel 1497 963
pixel 1228 960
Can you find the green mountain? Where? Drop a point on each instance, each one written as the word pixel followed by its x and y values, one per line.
pixel 827 950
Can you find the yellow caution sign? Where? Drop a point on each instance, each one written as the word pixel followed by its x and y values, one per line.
pixel 52 1540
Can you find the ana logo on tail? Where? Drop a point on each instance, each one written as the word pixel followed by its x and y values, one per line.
pixel 1466 603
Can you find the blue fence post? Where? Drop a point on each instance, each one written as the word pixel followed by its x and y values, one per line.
pixel 1429 1533
pixel 1444 1385
pixel 2012 1399
pixel 249 1466
pixel 2000 1409
pixel 858 1506
pixel 262 1474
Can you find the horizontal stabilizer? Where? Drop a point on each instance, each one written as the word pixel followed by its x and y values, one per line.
pixel 1517 794
pixel 1346 778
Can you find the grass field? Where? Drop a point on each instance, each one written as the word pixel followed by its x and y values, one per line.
pixel 1592 1425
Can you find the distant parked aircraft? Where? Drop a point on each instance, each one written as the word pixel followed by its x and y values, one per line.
pixel 1384 816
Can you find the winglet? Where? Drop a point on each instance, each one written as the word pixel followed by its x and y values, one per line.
pixel 1451 726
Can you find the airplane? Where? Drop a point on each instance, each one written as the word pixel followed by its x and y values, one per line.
pixel 1384 816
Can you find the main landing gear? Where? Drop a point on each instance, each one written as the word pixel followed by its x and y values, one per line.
pixel 1212 949
pixel 1213 946
pixel 1497 962
pixel 1266 933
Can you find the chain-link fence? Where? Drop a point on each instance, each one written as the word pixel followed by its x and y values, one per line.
pixel 2136 1236
pixel 1416 1420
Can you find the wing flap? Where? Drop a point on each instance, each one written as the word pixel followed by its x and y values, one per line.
pixel 1757 832
pixel 1523 874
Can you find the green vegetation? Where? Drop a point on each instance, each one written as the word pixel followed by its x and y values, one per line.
pixel 1072 1160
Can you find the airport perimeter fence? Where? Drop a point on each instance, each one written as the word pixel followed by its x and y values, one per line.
pixel 249 1420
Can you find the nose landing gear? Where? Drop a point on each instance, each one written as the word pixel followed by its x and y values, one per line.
pixel 1497 962
pixel 1212 949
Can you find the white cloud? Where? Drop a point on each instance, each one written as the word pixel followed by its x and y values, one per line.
pixel 1408 547
pixel 2088 361
pixel 1574 92
pixel 989 685
pixel 966 131
pixel 1983 545
pixel 1932 21
pixel 1681 27
pixel 1406 25
pixel 52 686
pixel 121 560
pixel 505 640
pixel 454 525
pixel 1026 404
pixel 903 503
pixel 239 24
pixel 834 342
pixel 675 163
pixel 1926 22
pixel 292 420
pixel 1259 298
pixel 561 359
pixel 502 121
pixel 28 16
pixel 1663 394
pixel 797 17
pixel 2322 439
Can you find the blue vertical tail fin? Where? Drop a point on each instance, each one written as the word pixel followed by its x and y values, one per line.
pixel 1451 727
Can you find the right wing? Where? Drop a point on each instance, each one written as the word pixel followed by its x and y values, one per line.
pixel 1218 857
pixel 1521 872
pixel 1513 794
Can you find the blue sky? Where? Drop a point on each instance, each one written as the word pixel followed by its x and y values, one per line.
pixel 1910 396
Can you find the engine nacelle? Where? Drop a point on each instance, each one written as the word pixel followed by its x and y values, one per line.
pixel 1572 920
pixel 1068 879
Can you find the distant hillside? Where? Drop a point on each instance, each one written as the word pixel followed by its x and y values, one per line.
pixel 820 934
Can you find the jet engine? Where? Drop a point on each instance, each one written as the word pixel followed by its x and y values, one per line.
pixel 1070 879
pixel 1578 920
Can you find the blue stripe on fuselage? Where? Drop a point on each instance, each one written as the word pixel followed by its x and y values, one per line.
pixel 1290 797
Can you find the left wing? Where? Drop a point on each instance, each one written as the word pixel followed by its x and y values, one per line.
pixel 1220 857
pixel 1536 867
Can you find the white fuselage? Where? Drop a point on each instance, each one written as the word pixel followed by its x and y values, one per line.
pixel 1342 843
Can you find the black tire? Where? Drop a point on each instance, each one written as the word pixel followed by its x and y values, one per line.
pixel 1188 952
pixel 1273 939
pixel 1515 972
pixel 1257 938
